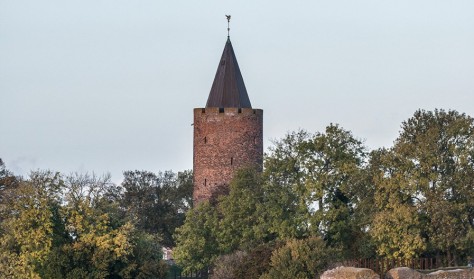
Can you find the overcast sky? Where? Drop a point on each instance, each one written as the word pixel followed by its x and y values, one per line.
pixel 110 85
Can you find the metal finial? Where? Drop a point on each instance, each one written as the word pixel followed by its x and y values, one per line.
pixel 228 25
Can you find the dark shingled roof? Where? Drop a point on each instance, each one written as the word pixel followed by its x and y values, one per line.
pixel 228 89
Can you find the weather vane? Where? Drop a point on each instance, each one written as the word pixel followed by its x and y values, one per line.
pixel 228 25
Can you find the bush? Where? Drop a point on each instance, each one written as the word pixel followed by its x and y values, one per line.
pixel 300 259
pixel 225 265
pixel 256 262
pixel 245 264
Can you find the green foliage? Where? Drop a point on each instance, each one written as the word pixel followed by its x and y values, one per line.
pixel 7 181
pixel 319 193
pixel 27 229
pixel 396 227
pixel 284 180
pixel 397 233
pixel 158 202
pixel 225 266
pixel 321 183
pixel 145 259
pixel 424 187
pixel 310 186
pixel 62 227
pixel 11 266
pixel 249 264
pixel 196 241
pixel 301 259
pixel 440 147
pixel 256 261
pixel 238 221
pixel 242 223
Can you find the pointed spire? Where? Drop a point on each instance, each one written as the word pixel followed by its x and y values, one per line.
pixel 228 88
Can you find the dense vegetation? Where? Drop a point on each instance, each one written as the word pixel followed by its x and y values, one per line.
pixel 322 198
pixel 82 226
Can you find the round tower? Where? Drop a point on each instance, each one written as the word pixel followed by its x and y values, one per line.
pixel 228 132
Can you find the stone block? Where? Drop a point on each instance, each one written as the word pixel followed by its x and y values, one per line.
pixel 343 272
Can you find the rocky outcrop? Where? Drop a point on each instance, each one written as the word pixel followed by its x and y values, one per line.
pixel 343 272
pixel 408 273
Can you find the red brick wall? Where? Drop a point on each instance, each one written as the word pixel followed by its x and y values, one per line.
pixel 224 141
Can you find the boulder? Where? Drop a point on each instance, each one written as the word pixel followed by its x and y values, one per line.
pixel 408 273
pixel 343 272
pixel 403 273
pixel 451 274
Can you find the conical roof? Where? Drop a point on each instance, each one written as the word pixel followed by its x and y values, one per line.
pixel 228 89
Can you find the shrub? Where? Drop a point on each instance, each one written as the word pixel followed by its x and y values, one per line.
pixel 299 259
pixel 248 264
pixel 225 265
pixel 256 262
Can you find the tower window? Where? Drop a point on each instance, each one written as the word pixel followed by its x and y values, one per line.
pixel 203 110
pixel 221 110
pixel 231 161
pixel 205 182
pixel 240 110
pixel 205 139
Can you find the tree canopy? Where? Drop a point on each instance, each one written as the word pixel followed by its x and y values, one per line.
pixel 84 226
pixel 409 200
pixel 321 197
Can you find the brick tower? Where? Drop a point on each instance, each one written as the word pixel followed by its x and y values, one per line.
pixel 228 132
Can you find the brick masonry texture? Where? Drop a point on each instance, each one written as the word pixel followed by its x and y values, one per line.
pixel 225 140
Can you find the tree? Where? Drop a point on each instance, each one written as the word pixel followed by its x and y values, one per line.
pixel 397 232
pixel 322 175
pixel 26 240
pixel 424 187
pixel 4 175
pixel 100 244
pixel 396 228
pixel 7 181
pixel 196 240
pixel 225 265
pixel 243 223
pixel 439 148
pixel 238 221
pixel 284 180
pixel 64 227
pixel 158 201
pixel 250 264
pixel 334 162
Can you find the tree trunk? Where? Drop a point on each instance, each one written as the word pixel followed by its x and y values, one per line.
pixel 448 255
pixel 455 258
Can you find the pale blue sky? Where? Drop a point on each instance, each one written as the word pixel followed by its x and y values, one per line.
pixel 108 85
